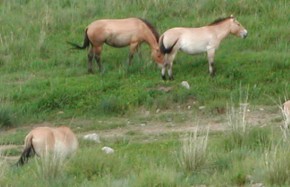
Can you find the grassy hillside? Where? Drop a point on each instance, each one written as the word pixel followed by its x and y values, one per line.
pixel 41 75
pixel 42 79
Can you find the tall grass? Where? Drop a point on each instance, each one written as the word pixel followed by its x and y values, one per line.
pixel 193 153
pixel 4 167
pixel 277 165
pixel 50 166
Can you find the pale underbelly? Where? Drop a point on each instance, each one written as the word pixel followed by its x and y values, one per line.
pixel 118 40
pixel 192 50
pixel 191 47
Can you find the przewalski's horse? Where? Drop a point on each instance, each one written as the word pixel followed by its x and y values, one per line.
pixel 61 142
pixel 286 113
pixel 119 33
pixel 197 40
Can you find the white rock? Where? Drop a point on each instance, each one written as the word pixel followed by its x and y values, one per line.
pixel 108 150
pixel 185 84
pixel 201 107
pixel 92 137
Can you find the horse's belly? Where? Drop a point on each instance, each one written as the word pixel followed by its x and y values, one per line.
pixel 193 49
pixel 118 40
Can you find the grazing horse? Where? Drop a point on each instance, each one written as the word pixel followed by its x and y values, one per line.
pixel 197 40
pixel 44 141
pixel 119 33
pixel 286 112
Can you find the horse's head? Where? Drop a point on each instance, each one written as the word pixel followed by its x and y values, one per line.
pixel 157 56
pixel 237 29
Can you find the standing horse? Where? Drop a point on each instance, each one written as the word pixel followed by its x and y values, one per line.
pixel 119 33
pixel 197 40
pixel 44 141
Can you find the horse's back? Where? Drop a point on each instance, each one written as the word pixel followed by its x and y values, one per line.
pixel 42 139
pixel 66 140
pixel 107 25
pixel 58 140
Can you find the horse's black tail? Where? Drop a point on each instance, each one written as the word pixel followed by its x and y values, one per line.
pixel 28 151
pixel 86 42
pixel 163 49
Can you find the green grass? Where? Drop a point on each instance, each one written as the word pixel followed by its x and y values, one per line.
pixel 40 75
pixel 42 80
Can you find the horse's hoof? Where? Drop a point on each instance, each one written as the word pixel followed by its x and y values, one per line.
pixel 171 78
pixel 90 71
pixel 164 77
pixel 212 74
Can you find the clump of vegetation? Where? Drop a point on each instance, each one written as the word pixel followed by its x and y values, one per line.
pixel 193 153
pixel 50 166
pixel 277 165
pixel 6 118
pixel 241 134
pixel 4 168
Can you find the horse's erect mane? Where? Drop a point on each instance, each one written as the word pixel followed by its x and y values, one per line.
pixel 150 26
pixel 219 20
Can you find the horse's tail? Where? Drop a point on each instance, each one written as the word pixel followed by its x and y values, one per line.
pixel 27 152
pixel 86 42
pixel 163 49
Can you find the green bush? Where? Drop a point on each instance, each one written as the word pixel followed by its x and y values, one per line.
pixel 6 118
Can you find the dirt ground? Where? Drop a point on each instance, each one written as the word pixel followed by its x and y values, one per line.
pixel 259 116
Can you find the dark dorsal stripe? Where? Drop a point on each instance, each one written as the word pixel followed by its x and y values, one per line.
pixel 219 20
pixel 150 26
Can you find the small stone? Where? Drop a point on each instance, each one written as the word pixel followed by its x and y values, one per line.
pixel 108 150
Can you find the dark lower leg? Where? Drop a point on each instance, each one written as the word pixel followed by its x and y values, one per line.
pixel 130 58
pixel 163 72
pixel 98 60
pixel 90 62
pixel 170 74
pixel 211 69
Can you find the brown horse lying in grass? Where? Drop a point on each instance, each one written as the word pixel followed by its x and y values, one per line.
pixel 44 141
pixel 197 40
pixel 119 33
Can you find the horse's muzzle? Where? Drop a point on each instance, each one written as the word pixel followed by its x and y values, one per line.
pixel 244 34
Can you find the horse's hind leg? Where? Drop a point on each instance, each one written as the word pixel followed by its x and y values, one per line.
pixel 210 57
pixel 171 58
pixel 168 64
pixel 163 70
pixel 170 71
pixel 164 67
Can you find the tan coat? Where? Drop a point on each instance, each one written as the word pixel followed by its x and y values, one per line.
pixel 43 141
pixel 286 112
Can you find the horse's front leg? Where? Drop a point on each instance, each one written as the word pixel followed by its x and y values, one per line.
pixel 133 49
pixel 98 60
pixel 97 55
pixel 210 57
